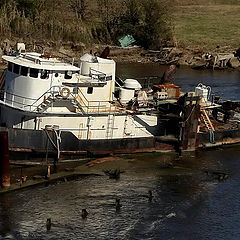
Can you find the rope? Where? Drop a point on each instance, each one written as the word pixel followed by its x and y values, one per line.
pixel 57 147
pixel 190 114
pixel 58 141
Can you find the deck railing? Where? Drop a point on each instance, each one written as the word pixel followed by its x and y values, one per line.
pixel 33 104
pixel 78 100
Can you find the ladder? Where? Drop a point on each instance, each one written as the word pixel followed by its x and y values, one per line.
pixel 2 78
pixel 45 104
pixel 205 118
pixel 110 126
pixel 77 105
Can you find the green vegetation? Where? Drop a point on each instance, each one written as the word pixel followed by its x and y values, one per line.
pixel 86 21
pixel 207 23
pixel 153 23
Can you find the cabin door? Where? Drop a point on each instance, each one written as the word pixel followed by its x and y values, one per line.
pixel 56 79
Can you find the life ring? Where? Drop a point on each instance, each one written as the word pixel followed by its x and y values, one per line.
pixel 65 92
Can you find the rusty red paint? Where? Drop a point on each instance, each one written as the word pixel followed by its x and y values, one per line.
pixel 4 160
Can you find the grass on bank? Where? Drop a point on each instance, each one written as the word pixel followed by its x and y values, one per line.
pixel 208 25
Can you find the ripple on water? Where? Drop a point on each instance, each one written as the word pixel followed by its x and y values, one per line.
pixel 184 205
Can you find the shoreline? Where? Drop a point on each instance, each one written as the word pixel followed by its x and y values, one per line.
pixel 70 170
pixel 193 57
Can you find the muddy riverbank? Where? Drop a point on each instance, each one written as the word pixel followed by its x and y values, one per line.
pixel 195 57
pixel 32 173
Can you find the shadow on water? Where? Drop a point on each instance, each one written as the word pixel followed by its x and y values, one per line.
pixel 7 223
pixel 186 204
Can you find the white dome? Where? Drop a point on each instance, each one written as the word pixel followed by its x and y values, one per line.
pixel 87 58
pixel 132 84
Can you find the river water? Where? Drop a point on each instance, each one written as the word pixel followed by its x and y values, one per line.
pixel 223 83
pixel 187 202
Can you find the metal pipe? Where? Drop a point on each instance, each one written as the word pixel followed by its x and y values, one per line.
pixel 4 160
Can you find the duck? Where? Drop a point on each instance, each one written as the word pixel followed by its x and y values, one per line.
pixel 84 213
pixel 117 204
pixel 149 195
pixel 48 224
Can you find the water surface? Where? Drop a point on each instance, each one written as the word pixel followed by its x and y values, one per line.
pixel 223 83
pixel 187 203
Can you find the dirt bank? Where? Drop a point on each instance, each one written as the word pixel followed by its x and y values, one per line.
pixel 195 57
pixel 27 175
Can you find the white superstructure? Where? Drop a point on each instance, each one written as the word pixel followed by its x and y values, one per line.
pixel 42 90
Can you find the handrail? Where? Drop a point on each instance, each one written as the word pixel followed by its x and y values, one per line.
pixel 82 103
pixel 42 61
pixel 44 94
pixel 3 91
pixel 97 74
pixel 79 90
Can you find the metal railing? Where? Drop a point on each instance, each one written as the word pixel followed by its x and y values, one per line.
pixel 86 106
pixel 14 99
pixel 52 91
pixel 79 101
pixel 97 75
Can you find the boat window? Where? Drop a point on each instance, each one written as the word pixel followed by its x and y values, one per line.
pixel 24 71
pixel 10 66
pixel 16 68
pixel 44 74
pixel 75 90
pixel 68 75
pixel 33 72
pixel 90 90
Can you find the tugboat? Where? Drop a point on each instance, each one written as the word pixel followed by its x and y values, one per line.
pixel 51 105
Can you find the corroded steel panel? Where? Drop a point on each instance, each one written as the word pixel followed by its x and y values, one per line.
pixel 4 160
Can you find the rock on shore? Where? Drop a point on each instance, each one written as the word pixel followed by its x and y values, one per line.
pixel 195 57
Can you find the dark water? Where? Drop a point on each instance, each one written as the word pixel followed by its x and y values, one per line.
pixel 187 203
pixel 223 83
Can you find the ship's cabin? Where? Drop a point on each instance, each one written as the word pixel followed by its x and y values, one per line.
pixel 34 79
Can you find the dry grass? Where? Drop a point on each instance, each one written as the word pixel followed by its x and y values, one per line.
pixel 204 23
pixel 207 25
pixel 206 2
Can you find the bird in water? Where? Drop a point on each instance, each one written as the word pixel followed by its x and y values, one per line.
pixel 118 204
pixel 149 195
pixel 84 213
pixel 113 174
pixel 48 224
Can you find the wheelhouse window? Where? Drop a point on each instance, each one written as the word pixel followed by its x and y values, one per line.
pixel 34 72
pixel 44 74
pixel 90 90
pixel 16 68
pixel 10 66
pixel 68 75
pixel 24 71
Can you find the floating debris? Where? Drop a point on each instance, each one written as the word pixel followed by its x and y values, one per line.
pixel 149 196
pixel 170 215
pixel 113 174
pixel 84 213
pixel 117 204
pixel 48 224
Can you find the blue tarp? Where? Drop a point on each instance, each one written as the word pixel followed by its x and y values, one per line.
pixel 126 40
